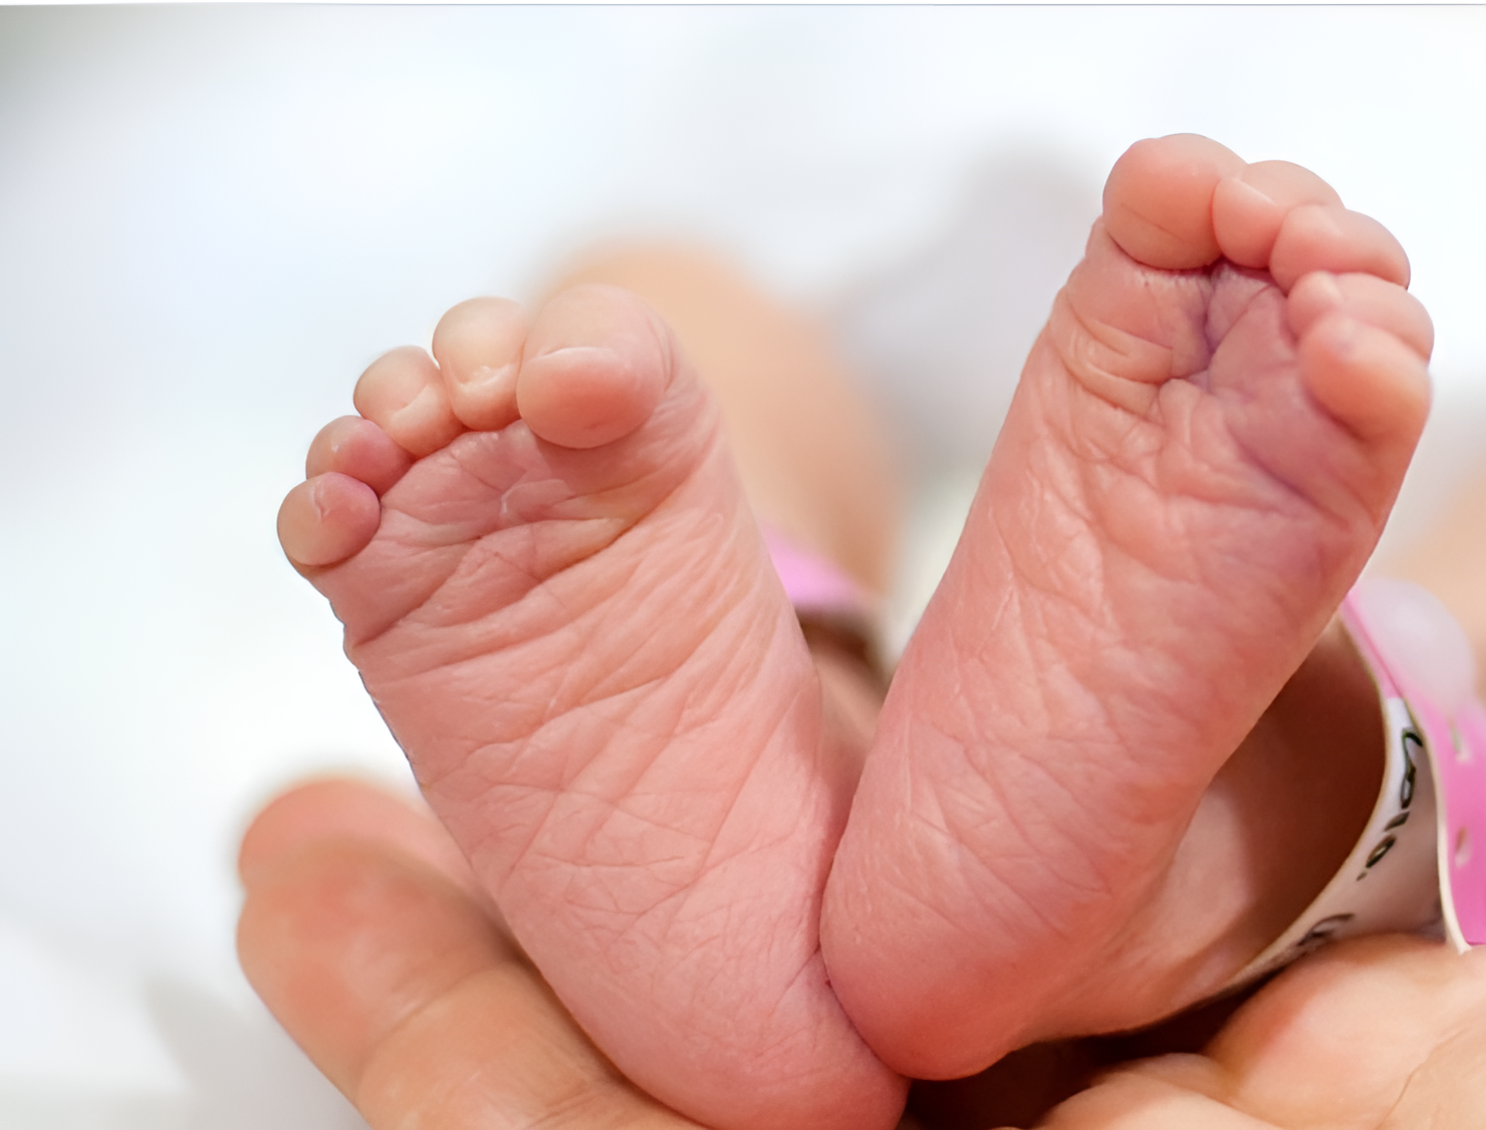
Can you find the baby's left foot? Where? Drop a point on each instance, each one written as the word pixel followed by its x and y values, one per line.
pixel 1204 446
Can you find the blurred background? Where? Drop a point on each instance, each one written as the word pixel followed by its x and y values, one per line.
pixel 212 218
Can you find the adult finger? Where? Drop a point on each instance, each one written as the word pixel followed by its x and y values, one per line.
pixel 389 973
pixel 1380 1023
pixel 1386 1033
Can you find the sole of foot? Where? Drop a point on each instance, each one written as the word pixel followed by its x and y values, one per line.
pixel 1204 446
pixel 556 594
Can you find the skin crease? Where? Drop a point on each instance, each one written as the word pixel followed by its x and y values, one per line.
pixel 675 913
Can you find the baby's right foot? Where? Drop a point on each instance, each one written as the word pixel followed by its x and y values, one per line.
pixel 1203 449
pixel 555 592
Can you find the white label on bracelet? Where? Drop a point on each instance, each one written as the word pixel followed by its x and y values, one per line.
pixel 1390 881
pixel 1415 650
pixel 1421 862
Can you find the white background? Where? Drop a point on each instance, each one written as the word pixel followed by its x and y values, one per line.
pixel 211 219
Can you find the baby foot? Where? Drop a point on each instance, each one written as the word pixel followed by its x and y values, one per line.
pixel 1202 451
pixel 563 608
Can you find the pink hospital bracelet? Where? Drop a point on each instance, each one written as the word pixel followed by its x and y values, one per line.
pixel 829 604
pixel 1421 860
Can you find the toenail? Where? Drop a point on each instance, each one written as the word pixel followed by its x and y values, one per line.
pixel 1252 191
pixel 317 489
pixel 596 352
pixel 591 358
pixel 418 401
pixel 1342 330
pixel 1328 288
pixel 484 376
pixel 1325 216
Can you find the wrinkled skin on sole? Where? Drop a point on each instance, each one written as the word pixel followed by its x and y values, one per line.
pixel 604 694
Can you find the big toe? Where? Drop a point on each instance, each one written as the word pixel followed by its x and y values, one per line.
pixel 1158 200
pixel 596 364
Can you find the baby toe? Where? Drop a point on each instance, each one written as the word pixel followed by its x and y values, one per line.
pixel 478 348
pixel 328 518
pixel 1328 237
pixel 1367 298
pixel 1371 381
pixel 353 445
pixel 1250 207
pixel 403 392
pixel 596 364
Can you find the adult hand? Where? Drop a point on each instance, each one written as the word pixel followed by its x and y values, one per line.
pixel 367 937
